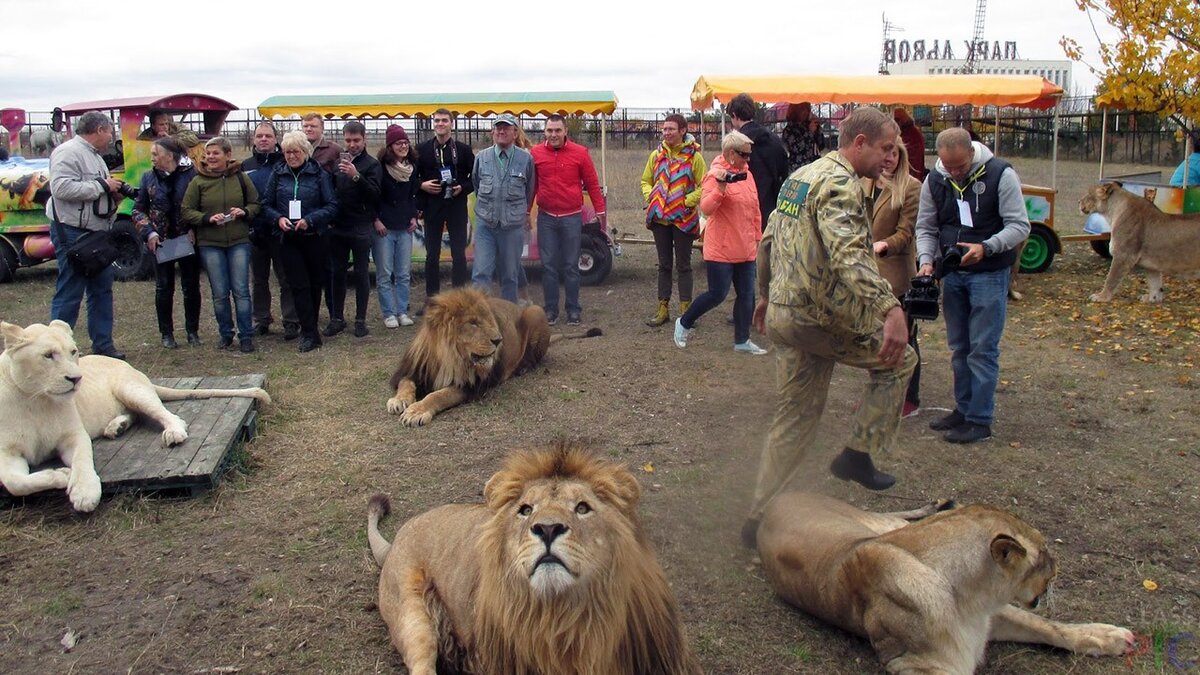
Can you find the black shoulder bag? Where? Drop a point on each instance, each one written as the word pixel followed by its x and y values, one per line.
pixel 94 251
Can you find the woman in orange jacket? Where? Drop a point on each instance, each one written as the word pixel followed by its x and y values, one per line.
pixel 731 234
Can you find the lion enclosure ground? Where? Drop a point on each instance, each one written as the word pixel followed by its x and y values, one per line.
pixel 1096 445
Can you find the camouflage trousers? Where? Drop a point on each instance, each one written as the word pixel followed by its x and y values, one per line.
pixel 804 359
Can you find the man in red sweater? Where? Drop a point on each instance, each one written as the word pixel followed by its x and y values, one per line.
pixel 564 169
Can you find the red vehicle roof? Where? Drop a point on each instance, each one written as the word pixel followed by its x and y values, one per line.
pixel 173 102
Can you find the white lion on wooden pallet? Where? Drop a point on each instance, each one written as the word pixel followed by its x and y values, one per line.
pixel 51 400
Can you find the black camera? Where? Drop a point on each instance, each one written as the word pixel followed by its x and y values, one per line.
pixel 950 260
pixel 732 177
pixel 921 300
pixel 127 190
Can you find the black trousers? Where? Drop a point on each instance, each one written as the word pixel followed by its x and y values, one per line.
pixel 306 264
pixel 453 218
pixel 341 246
pixel 164 293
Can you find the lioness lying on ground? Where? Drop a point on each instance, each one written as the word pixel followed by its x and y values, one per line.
pixel 1143 235
pixel 468 344
pixel 554 575
pixel 928 595
pixel 51 400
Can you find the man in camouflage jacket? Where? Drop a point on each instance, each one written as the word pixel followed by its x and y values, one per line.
pixel 824 302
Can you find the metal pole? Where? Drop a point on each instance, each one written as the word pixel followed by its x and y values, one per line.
pixel 996 145
pixel 603 151
pixel 1103 139
pixel 1054 156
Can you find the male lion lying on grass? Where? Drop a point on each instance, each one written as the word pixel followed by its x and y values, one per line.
pixel 468 344
pixel 554 575
pixel 928 595
pixel 51 400
pixel 1145 236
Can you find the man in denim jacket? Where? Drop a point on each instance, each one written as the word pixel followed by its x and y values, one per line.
pixel 505 185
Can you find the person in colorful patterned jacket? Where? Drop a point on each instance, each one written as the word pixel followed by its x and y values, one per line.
pixel 827 304
pixel 671 188
pixel 802 137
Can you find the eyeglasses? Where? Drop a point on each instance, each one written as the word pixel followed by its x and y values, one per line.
pixel 744 154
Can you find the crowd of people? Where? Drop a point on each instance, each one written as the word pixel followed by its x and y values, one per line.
pixel 819 248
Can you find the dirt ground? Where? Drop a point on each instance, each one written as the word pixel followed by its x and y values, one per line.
pixel 1095 444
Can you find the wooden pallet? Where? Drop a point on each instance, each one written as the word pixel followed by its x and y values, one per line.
pixel 217 427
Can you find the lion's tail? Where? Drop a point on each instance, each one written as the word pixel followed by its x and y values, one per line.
pixel 169 394
pixel 589 333
pixel 378 507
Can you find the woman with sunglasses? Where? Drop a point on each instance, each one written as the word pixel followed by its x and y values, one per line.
pixel 731 235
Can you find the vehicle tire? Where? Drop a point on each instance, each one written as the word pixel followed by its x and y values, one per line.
pixel 8 262
pixel 135 262
pixel 1100 246
pixel 595 261
pixel 1039 250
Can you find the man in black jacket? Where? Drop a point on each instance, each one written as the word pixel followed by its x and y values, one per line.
pixel 444 168
pixel 768 160
pixel 357 178
pixel 264 245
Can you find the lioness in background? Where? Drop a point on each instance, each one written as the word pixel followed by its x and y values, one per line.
pixel 1143 235
pixel 928 595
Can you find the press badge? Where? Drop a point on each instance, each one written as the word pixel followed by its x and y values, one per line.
pixel 964 214
pixel 447 176
pixel 294 209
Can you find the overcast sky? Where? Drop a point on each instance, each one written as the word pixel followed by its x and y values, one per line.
pixel 650 53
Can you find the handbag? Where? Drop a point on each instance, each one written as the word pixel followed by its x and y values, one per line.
pixel 91 253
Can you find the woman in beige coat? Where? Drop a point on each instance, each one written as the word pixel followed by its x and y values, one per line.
pixel 896 195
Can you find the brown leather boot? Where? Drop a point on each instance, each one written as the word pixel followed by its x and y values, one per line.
pixel 661 316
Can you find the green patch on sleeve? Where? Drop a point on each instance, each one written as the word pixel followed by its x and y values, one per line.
pixel 791 197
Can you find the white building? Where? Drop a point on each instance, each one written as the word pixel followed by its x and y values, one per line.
pixel 1058 72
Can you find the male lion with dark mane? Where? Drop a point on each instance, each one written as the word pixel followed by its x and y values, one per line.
pixel 552 576
pixel 468 344
pixel 928 595
pixel 1145 236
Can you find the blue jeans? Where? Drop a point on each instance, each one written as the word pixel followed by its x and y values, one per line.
pixel 70 287
pixel 393 271
pixel 228 271
pixel 720 275
pixel 497 251
pixel 975 305
pixel 558 247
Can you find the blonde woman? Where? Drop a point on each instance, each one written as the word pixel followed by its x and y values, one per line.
pixel 730 203
pixel 897 195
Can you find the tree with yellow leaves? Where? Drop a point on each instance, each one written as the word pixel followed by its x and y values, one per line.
pixel 1155 66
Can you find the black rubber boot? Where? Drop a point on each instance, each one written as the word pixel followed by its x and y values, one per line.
pixel 858 467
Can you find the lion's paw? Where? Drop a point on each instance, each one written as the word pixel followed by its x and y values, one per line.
pixel 397 405
pixel 118 426
pixel 173 436
pixel 83 489
pixel 1101 639
pixel 1099 297
pixel 416 415
pixel 60 478
pixel 1153 298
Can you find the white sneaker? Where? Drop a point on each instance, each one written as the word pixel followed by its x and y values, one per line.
pixel 682 334
pixel 391 322
pixel 749 347
pixel 405 321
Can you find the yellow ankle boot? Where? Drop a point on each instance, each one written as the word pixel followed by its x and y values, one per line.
pixel 661 316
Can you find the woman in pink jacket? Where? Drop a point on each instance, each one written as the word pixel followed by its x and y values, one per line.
pixel 731 236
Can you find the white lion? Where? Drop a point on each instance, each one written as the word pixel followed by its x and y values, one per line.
pixel 51 400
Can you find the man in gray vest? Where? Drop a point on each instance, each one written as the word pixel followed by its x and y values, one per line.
pixel 83 198
pixel 504 182
pixel 971 221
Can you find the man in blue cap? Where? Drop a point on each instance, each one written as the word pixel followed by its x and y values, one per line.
pixel 503 177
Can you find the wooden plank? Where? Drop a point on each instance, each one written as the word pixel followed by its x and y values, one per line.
pixel 113 455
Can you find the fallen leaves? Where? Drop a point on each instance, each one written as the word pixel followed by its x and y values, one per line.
pixel 1149 585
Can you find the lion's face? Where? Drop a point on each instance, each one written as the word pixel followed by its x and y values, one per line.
pixel 473 330
pixel 1096 199
pixel 43 360
pixel 563 529
pixel 1022 553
